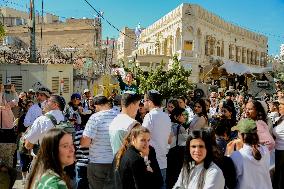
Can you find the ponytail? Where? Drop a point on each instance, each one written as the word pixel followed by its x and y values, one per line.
pixel 252 140
pixel 122 150
pixel 255 152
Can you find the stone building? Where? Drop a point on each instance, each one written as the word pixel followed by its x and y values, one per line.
pixel 74 41
pixel 202 41
pixel 74 33
pixel 282 51
pixel 12 17
pixel 125 45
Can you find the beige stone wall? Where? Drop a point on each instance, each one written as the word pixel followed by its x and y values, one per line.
pixel 66 35
pixel 11 14
pixel 125 45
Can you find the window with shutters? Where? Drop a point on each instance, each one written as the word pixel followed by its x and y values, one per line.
pixel 18 82
pixel 66 85
pixel 55 84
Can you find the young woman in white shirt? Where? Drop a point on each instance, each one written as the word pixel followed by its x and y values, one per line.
pixel 199 171
pixel 252 161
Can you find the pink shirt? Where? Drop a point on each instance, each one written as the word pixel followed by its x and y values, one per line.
pixel 264 135
pixel 6 114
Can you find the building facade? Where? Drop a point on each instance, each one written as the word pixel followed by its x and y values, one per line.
pixel 74 33
pixel 200 39
pixel 282 51
pixel 125 44
pixel 12 17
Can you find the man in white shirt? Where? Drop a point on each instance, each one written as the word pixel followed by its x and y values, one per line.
pixel 159 124
pixel 96 137
pixel 55 105
pixel 124 121
pixel 36 110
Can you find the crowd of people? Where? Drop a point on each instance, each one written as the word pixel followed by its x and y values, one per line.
pixel 129 140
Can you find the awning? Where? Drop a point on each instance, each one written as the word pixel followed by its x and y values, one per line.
pixel 240 69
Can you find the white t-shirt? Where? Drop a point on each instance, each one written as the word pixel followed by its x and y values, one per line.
pixel 97 128
pixel 278 132
pixel 159 124
pixel 213 178
pixel 252 173
pixel 118 129
pixel 41 125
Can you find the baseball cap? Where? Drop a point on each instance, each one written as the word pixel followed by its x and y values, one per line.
pixel 245 126
pixel 76 96
pixel 31 91
pixel 100 100
pixel 86 91
pixel 44 90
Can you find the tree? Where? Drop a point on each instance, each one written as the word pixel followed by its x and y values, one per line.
pixel 171 83
pixel 277 66
pixel 2 31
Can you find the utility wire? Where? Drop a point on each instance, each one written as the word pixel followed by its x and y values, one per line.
pixel 112 24
pixel 63 17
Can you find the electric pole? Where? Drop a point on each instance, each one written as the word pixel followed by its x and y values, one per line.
pixel 32 32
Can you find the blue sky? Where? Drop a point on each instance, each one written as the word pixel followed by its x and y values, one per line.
pixel 262 16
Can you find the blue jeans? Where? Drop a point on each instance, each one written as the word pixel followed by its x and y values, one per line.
pixel 82 179
pixel 164 173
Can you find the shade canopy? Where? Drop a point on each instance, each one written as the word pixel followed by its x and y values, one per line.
pixel 241 69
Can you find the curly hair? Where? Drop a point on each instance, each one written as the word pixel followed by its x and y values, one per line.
pixel 260 112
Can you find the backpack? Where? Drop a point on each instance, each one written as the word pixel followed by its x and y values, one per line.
pixel 65 125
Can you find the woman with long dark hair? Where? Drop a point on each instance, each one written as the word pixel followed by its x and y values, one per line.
pixel 256 112
pixel 252 160
pixel 199 170
pixel 200 119
pixel 172 104
pixel 56 152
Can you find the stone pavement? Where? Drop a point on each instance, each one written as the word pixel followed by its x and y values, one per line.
pixel 18 184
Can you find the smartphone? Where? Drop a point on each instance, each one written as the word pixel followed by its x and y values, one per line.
pixel 7 87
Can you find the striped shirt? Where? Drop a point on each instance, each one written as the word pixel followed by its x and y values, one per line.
pixel 97 128
pixel 82 154
pixel 50 180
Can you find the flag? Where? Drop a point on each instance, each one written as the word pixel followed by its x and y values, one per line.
pixel 138 30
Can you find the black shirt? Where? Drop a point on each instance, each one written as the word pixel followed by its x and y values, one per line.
pixel 133 171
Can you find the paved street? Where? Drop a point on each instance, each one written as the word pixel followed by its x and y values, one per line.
pixel 18 184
